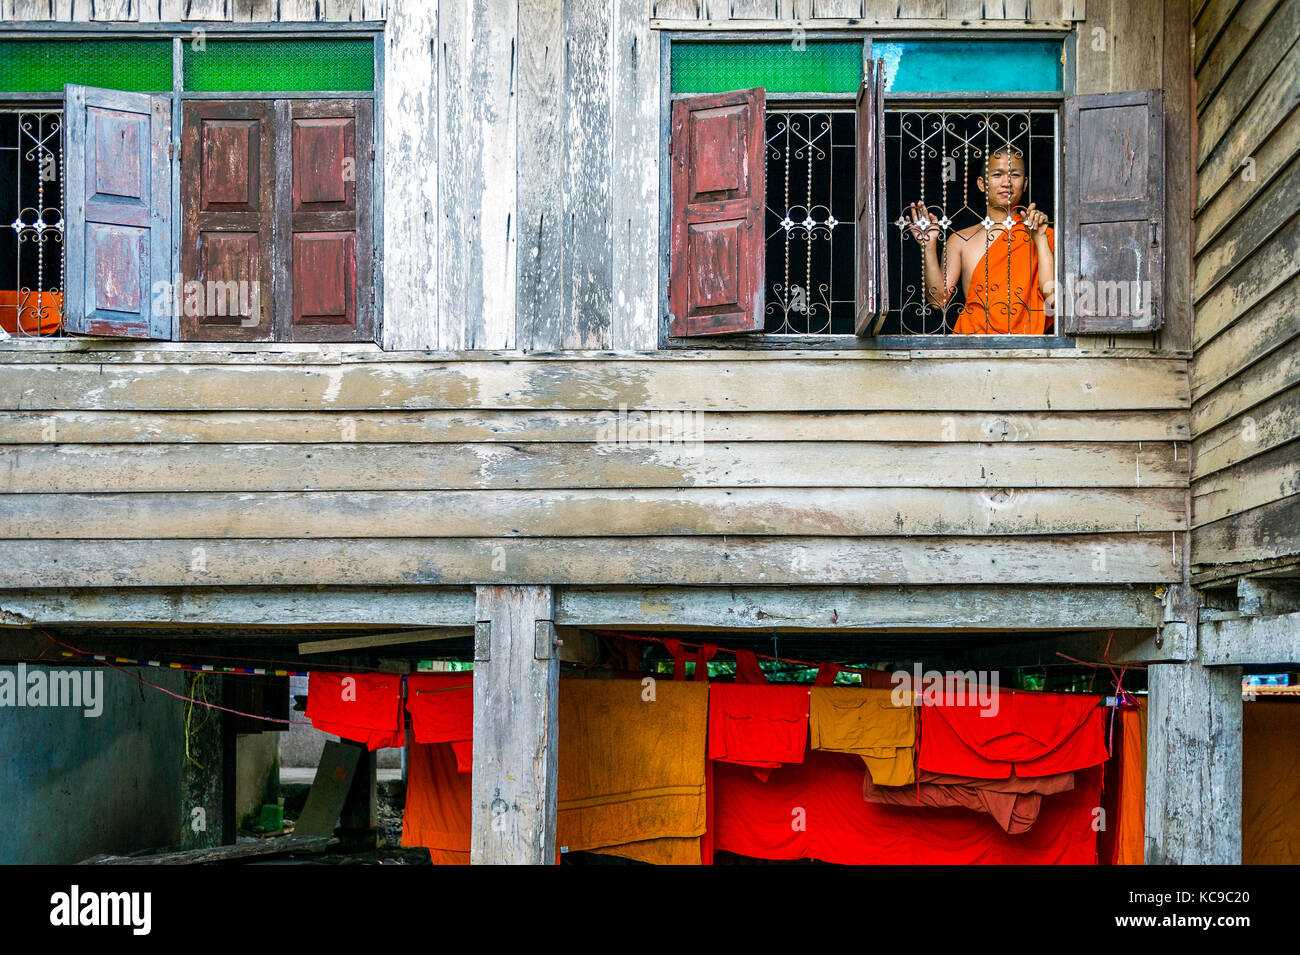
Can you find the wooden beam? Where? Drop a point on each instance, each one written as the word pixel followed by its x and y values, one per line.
pixel 516 714
pixel 868 609
pixel 1193 782
pixel 1259 596
pixel 858 23
pixel 1116 646
pixel 408 606
pixel 1272 640
pixel 383 640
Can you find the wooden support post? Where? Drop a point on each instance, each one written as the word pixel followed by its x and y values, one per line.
pixel 1193 785
pixel 516 704
pixel 359 817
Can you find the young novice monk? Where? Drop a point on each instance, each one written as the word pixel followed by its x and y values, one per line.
pixel 1009 276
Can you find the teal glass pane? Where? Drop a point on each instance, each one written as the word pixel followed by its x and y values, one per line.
pixel 42 66
pixel 971 66
pixel 834 67
pixel 273 66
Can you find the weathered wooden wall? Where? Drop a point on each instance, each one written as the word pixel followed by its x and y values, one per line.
pixel 370 470
pixel 1246 291
pixel 176 11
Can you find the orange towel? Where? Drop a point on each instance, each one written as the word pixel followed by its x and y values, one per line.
pixel 850 719
pixel 1130 835
pixel 1270 782
pixel 632 768
pixel 437 813
pixel 1004 297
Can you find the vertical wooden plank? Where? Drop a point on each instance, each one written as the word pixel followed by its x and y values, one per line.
pixel 374 10
pixel 477 184
pixel 299 10
pixel 33 9
pixel 587 271
pixel 920 9
pixel 1177 68
pixel 115 11
pixel 345 11
pixel 1015 9
pixel 411 178
pixel 678 9
pixel 206 10
pixel 1044 9
pixel 516 704
pixel 965 9
pixel 635 179
pixel 851 9
pixel 72 11
pixel 1193 811
pixel 1138 39
pixel 755 10
pixel 1074 9
pixel 1094 50
pixel 539 301
pixel 162 11
pixel 880 9
pixel 253 11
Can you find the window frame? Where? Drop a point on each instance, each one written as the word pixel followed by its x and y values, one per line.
pixel 768 341
pixel 179 33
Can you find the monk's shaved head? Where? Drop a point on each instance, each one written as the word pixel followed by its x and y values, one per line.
pixel 1012 154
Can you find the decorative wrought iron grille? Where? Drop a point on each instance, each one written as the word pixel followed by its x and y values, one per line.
pixel 31 221
pixel 809 225
pixel 935 157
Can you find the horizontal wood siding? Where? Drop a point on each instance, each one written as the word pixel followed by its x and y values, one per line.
pixel 382 472
pixel 175 11
pixel 1246 289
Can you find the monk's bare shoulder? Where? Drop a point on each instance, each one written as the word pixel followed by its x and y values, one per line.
pixel 968 233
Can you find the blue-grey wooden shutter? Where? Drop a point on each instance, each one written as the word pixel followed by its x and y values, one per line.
pixel 872 275
pixel 1114 213
pixel 117 223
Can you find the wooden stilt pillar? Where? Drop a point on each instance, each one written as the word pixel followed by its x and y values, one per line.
pixel 516 685
pixel 1193 785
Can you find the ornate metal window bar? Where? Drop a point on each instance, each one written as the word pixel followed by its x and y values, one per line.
pixel 31 221
pixel 809 227
pixel 935 156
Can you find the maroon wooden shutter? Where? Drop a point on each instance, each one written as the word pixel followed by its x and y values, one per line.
pixel 872 276
pixel 716 282
pixel 324 285
pixel 117 221
pixel 1114 213
pixel 227 206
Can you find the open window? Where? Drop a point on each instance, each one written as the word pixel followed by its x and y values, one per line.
pixel 209 212
pixel 1038 214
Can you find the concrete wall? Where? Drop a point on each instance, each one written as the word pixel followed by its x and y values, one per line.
pixel 73 786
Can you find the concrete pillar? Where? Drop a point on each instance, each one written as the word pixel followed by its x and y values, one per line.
pixel 1193 791
pixel 516 703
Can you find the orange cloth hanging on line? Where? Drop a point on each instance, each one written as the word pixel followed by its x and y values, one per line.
pixel 867 723
pixel 1029 734
pixel 363 707
pixel 632 769
pixel 1004 297
pixel 1270 782
pixel 1130 829
pixel 438 801
pixel 442 711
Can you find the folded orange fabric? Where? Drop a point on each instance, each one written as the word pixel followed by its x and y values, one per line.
pixel 1130 835
pixel 632 767
pixel 363 707
pixel 437 813
pixel 866 723
pixel 1025 733
pixel 763 725
pixel 1013 803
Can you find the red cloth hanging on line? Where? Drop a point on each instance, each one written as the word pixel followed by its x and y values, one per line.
pixel 442 711
pixel 762 726
pixel 815 810
pixel 748 669
pixel 1023 734
pixel 362 707
pixel 699 655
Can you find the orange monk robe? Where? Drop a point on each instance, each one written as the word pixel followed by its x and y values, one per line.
pixel 437 814
pixel 632 769
pixel 866 722
pixel 1004 297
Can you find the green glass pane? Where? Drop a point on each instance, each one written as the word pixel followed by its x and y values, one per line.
pixel 777 67
pixel 310 66
pixel 971 66
pixel 41 66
